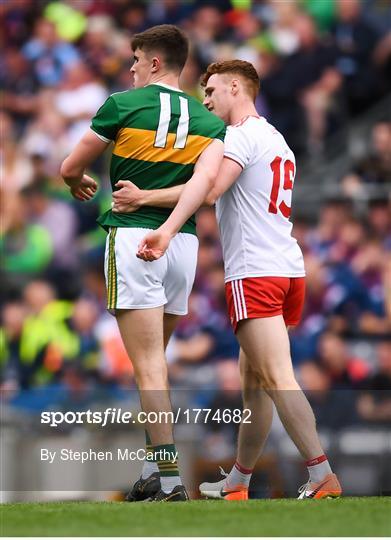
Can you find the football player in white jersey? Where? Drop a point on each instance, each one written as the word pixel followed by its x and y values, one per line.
pixel 264 274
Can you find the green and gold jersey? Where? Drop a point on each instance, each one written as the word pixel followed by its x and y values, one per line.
pixel 158 134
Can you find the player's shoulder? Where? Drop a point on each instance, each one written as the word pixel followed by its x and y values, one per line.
pixel 248 128
pixel 130 95
pixel 256 129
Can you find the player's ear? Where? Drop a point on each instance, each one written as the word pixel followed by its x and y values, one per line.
pixel 155 64
pixel 234 86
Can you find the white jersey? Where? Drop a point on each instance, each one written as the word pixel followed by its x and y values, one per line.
pixel 253 215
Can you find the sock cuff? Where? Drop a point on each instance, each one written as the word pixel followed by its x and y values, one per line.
pixel 242 469
pixel 165 447
pixel 165 453
pixel 166 458
pixel 316 461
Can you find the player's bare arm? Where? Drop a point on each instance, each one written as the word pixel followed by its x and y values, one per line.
pixel 228 173
pixel 82 186
pixel 129 197
pixel 154 245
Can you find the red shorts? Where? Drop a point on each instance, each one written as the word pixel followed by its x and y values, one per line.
pixel 262 297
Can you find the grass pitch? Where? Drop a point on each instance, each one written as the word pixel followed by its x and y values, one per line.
pixel 364 516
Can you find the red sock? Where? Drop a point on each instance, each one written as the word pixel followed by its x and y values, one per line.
pixel 318 468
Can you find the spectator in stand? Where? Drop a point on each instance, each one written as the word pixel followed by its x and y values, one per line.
pixel 350 240
pixel 220 437
pixel 46 136
pixel 372 265
pixel 83 325
pixel 190 78
pixel 17 20
pixel 335 299
pixel 17 170
pixel 192 343
pixel 78 98
pixel 26 248
pixel 374 404
pixel 205 30
pixel 379 220
pixel 48 54
pixel 48 212
pixel 302 90
pixel 244 26
pixel 98 50
pixel 375 167
pixel 19 88
pixel 283 33
pixel 344 370
pixel 334 409
pixel 169 11
pixel 13 373
pixel 356 39
pixel 371 174
pixel 29 356
pixel 134 16
pixel 93 284
pixel 333 214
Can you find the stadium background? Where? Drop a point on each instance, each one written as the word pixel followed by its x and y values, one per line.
pixel 325 84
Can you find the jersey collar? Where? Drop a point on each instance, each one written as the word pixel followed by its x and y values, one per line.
pixel 242 121
pixel 166 86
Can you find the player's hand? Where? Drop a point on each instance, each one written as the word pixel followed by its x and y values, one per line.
pixel 85 189
pixel 127 198
pixel 154 245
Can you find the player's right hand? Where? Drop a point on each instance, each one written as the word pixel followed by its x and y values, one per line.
pixel 127 198
pixel 153 245
pixel 85 189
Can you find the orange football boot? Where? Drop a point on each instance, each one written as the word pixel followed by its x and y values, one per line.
pixel 328 488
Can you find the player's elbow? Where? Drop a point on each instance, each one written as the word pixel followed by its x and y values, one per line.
pixel 65 169
pixel 68 172
pixel 210 199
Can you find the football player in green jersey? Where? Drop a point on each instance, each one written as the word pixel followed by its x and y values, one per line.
pixel 161 138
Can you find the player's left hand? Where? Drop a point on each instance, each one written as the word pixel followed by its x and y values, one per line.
pixel 85 189
pixel 127 198
pixel 153 245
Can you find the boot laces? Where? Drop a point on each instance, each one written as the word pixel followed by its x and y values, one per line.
pixel 222 472
pixel 304 487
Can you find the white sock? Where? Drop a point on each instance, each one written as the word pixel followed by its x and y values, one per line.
pixel 318 468
pixel 239 476
pixel 169 482
pixel 149 467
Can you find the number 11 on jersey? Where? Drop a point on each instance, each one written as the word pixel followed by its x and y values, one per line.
pixel 289 175
pixel 164 122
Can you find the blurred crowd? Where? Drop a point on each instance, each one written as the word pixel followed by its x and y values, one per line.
pixel 321 64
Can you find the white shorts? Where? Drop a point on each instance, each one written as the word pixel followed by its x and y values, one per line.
pixel 136 284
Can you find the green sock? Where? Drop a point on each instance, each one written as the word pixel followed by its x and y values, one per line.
pixel 149 465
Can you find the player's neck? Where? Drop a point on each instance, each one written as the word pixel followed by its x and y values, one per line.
pixel 241 110
pixel 170 79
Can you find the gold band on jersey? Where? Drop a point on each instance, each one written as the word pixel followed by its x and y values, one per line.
pixel 112 272
pixel 139 144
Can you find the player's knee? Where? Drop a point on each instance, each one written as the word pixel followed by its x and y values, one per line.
pixel 151 378
pixel 272 380
pixel 251 380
